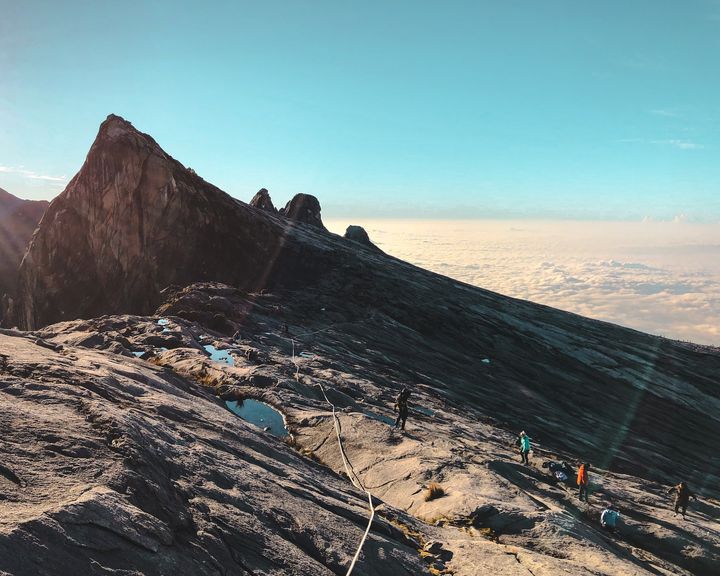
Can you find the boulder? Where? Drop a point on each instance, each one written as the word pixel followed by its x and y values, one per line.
pixel 304 208
pixel 359 235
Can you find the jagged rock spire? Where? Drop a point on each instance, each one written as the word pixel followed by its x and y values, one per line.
pixel 263 201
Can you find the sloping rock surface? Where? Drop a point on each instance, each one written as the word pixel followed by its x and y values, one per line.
pixel 292 349
pixel 112 465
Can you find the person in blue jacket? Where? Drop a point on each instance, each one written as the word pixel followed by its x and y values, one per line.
pixel 523 443
pixel 609 518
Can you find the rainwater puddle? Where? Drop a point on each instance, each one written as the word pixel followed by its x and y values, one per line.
pixel 222 356
pixel 422 410
pixel 380 418
pixel 261 415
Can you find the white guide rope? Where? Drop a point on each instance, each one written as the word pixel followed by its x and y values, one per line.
pixel 351 474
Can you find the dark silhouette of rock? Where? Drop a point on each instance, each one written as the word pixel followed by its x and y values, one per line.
pixel 18 220
pixel 134 221
pixel 304 208
pixel 263 201
pixel 358 234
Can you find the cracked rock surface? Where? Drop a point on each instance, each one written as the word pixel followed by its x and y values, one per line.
pixel 162 453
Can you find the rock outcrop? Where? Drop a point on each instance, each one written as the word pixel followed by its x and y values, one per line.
pixel 304 208
pixel 358 234
pixel 134 221
pixel 18 220
pixel 263 201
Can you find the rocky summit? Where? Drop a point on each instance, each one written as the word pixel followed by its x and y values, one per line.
pixel 134 221
pixel 166 413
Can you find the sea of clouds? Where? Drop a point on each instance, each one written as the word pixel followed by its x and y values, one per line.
pixel 658 277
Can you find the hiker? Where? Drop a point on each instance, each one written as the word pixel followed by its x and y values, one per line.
pixel 285 328
pixel 582 481
pixel 609 518
pixel 237 336
pixel 523 443
pixel 401 407
pixel 561 471
pixel 682 497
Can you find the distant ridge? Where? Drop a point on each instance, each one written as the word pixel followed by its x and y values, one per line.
pixel 18 220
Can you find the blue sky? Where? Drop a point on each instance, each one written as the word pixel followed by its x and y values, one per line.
pixel 560 109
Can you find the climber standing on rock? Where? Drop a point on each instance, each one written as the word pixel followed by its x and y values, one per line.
pixel 401 407
pixel 682 497
pixel 582 481
pixel 523 443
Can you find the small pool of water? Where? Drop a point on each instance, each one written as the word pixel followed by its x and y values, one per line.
pixel 163 322
pixel 380 418
pixel 260 414
pixel 423 410
pixel 222 356
pixel 139 353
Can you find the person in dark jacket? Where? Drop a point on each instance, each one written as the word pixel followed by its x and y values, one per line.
pixel 682 497
pixel 401 407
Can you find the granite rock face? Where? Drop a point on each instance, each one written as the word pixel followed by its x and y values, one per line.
pixel 134 221
pixel 18 220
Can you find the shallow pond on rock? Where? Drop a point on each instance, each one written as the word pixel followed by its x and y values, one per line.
pixel 380 418
pixel 423 410
pixel 219 355
pixel 260 414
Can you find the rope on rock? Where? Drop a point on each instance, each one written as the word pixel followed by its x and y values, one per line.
pixel 349 470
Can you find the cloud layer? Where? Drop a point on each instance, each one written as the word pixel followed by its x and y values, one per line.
pixel 32 175
pixel 662 278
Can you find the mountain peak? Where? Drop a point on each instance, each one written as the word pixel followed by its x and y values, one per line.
pixel 116 130
pixel 134 220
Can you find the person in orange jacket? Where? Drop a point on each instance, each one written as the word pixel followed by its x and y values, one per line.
pixel 582 480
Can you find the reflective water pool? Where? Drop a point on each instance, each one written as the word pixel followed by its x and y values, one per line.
pixel 222 356
pixel 380 418
pixel 261 415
